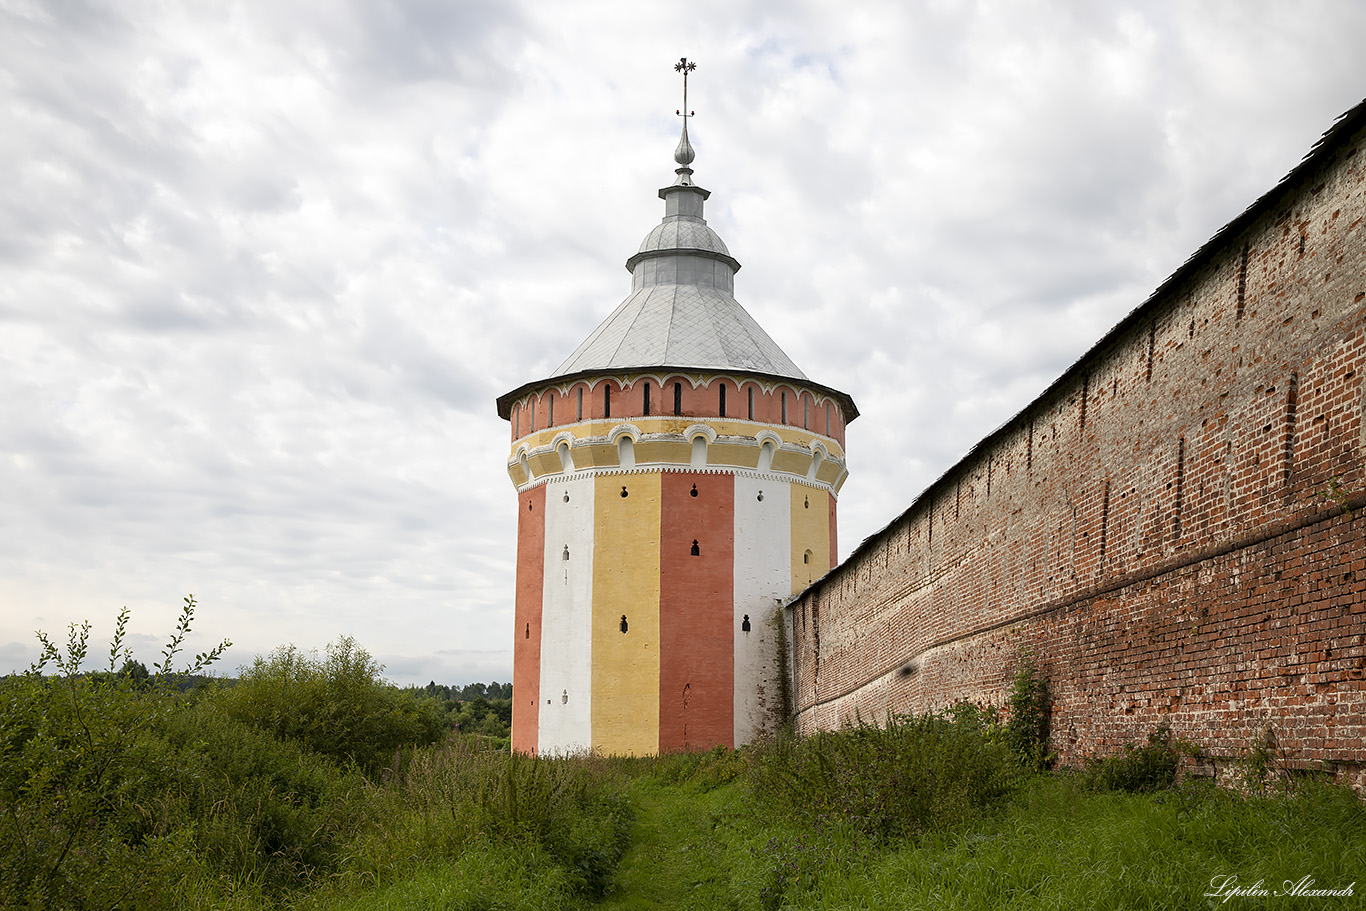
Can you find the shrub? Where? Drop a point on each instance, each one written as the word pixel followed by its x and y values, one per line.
pixel 82 758
pixel 1259 769
pixel 1027 722
pixel 1138 770
pixel 337 705
pixel 261 810
pixel 455 796
pixel 561 806
pixel 916 774
pixel 708 769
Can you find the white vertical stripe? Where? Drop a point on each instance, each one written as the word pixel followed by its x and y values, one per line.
pixel 763 580
pixel 566 634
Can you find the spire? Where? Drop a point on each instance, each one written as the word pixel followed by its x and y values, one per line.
pixel 684 153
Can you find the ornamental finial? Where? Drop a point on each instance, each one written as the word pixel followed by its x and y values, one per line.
pixel 684 154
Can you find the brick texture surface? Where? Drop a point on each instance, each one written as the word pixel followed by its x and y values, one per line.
pixel 1176 528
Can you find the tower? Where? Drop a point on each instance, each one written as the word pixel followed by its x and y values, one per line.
pixel 676 480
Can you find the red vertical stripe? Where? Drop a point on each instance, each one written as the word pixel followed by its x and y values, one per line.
pixel 696 656
pixel 526 649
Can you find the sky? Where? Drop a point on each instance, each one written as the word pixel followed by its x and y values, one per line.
pixel 265 266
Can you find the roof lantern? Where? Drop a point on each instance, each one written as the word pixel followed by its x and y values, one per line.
pixel 681 312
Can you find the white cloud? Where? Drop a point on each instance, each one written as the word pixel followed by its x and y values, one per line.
pixel 264 267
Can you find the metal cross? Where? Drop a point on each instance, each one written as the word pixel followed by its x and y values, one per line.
pixel 684 66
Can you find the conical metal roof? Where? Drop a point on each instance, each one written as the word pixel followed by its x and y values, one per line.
pixel 680 324
pixel 681 311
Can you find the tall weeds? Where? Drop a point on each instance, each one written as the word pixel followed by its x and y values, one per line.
pixel 914 775
pixel 455 796
pixel 1151 767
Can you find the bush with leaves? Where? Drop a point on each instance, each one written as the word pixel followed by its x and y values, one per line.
pixel 262 810
pixel 916 774
pixel 1027 717
pixel 337 705
pixel 1138 770
pixel 1260 770
pixel 82 757
pixel 569 812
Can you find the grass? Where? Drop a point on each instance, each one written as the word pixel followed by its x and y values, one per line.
pixel 675 859
pixel 701 840
pixel 1061 847
pixel 491 878
pixel 115 795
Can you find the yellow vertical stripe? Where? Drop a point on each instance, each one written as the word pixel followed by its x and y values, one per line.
pixel 810 535
pixel 626 581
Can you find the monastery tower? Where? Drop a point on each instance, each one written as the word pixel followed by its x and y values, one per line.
pixel 676 480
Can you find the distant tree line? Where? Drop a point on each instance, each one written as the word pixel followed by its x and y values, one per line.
pixel 484 709
pixel 469 691
pixel 476 708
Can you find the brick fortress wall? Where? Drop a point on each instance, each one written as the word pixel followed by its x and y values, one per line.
pixel 1176 528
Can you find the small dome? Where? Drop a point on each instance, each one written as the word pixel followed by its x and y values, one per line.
pixel 683 234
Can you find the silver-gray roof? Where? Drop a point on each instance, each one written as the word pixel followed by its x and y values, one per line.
pixel 683 233
pixel 679 324
pixel 682 311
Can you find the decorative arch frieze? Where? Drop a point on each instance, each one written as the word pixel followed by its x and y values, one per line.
pixel 705 430
pixel 768 477
pixel 790 453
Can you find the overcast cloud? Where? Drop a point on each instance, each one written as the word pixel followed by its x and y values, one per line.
pixel 264 267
